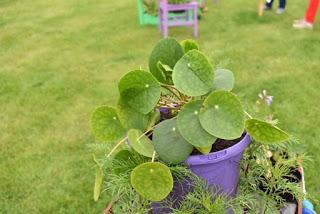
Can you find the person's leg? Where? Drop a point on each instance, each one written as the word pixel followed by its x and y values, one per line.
pixel 307 22
pixel 269 4
pixel 312 11
pixel 282 4
pixel 282 7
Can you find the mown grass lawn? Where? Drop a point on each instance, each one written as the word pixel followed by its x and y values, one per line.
pixel 62 58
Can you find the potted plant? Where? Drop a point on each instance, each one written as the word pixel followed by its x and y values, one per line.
pixel 181 113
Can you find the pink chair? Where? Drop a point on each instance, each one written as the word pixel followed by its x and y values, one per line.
pixel 187 17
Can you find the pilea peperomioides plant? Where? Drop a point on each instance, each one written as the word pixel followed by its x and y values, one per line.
pixel 181 106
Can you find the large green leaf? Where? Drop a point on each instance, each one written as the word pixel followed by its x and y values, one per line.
pixel 223 80
pixel 223 115
pixel 190 128
pixel 106 125
pixel 189 44
pixel 152 180
pixel 265 132
pixel 193 74
pixel 131 118
pixel 169 144
pixel 140 90
pixel 140 143
pixel 168 51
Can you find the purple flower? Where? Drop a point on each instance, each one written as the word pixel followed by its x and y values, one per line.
pixel 265 97
pixel 165 113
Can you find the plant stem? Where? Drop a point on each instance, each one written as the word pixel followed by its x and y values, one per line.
pixel 150 129
pixel 169 88
pixel 108 209
pixel 153 156
pixel 175 101
pixel 116 146
pixel 248 114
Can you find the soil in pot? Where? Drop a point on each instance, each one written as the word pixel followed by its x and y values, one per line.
pixel 221 144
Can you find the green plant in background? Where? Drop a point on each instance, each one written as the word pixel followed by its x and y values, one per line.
pixel 151 6
pixel 183 104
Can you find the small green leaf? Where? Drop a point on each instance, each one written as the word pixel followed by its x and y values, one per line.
pixel 223 80
pixel 265 132
pixel 189 44
pixel 153 181
pixel 98 179
pixel 223 115
pixel 190 128
pixel 154 118
pixel 98 183
pixel 140 90
pixel 166 72
pixel 130 118
pixel 193 74
pixel 165 68
pixel 168 51
pixel 169 144
pixel 106 125
pixel 204 150
pixel 140 143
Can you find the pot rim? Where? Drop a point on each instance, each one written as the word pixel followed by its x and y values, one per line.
pixel 215 157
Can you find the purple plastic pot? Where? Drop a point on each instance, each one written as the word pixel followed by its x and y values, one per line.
pixel 220 169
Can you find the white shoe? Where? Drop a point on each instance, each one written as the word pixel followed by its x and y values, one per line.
pixel 302 24
pixel 280 11
pixel 298 21
pixel 266 8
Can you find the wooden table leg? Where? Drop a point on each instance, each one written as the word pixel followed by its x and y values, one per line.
pixel 260 7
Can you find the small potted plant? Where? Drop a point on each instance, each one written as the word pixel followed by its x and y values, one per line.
pixel 180 116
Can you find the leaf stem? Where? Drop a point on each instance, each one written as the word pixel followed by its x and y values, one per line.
pixel 116 146
pixel 174 101
pixel 153 156
pixel 169 88
pixel 150 129
pixel 248 114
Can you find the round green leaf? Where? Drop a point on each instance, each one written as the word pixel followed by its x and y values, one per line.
pixel 168 51
pixel 169 144
pixel 132 119
pixel 106 125
pixel 189 44
pixel 222 115
pixel 140 142
pixel 152 180
pixel 265 132
pixel 193 74
pixel 189 125
pixel 223 80
pixel 140 90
